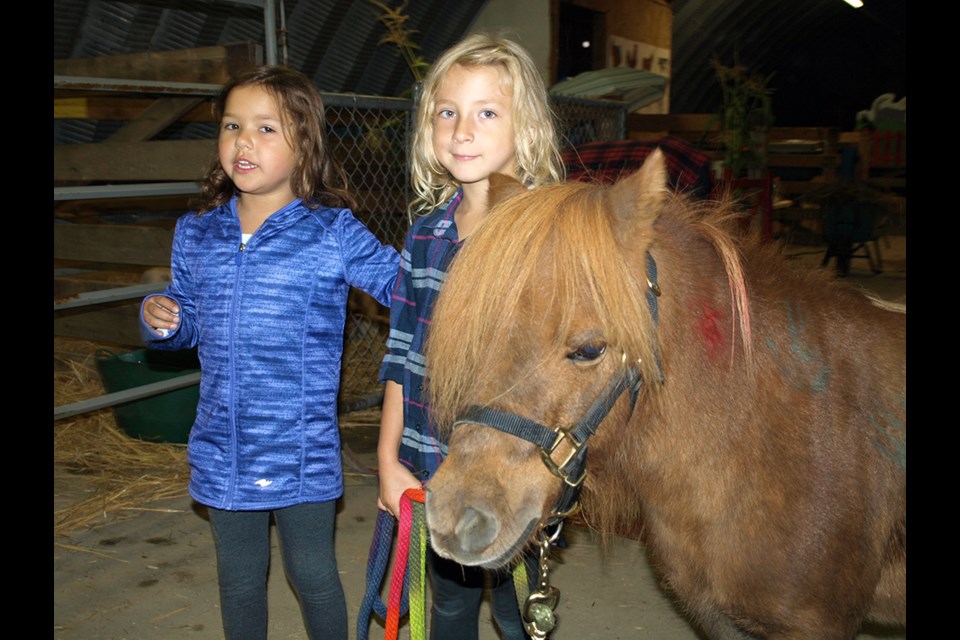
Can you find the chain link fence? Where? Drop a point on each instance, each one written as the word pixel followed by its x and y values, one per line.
pixel 370 137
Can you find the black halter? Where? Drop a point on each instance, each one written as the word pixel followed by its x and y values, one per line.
pixel 572 470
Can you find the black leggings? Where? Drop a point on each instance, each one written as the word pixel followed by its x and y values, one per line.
pixel 457 593
pixel 242 540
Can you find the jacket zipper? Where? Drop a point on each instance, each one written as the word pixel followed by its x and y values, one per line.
pixel 234 466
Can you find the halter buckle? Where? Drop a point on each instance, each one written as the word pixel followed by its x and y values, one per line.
pixel 559 469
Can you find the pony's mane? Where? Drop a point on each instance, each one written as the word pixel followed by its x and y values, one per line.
pixel 716 225
pixel 886 305
pixel 559 234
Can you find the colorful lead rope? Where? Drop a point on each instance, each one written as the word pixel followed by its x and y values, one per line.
pixel 408 582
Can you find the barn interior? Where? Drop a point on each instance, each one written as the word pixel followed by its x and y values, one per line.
pixel 824 180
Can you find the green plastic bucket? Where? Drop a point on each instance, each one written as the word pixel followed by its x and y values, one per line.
pixel 165 417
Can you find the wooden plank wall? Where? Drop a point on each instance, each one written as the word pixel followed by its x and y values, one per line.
pixel 91 254
pixel 130 155
pixel 209 65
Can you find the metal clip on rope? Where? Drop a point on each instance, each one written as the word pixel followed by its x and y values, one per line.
pixel 538 614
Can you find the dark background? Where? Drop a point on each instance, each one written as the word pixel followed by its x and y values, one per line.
pixel 828 60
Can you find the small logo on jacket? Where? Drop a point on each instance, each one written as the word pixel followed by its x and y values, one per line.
pixel 263 482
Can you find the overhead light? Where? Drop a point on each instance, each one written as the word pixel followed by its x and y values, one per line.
pixel 856 4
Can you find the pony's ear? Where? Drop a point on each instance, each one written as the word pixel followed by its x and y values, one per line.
pixel 643 192
pixel 502 187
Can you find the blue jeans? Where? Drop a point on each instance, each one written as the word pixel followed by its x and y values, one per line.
pixel 457 592
pixel 242 541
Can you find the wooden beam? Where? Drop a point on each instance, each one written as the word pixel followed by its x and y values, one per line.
pixel 69 284
pixel 671 122
pixel 154 119
pixel 80 210
pixel 798 188
pixel 215 65
pixel 849 138
pixel 803 160
pixel 828 136
pixel 133 161
pixel 99 297
pixel 108 243
pixel 113 324
pixel 112 321
pixel 118 108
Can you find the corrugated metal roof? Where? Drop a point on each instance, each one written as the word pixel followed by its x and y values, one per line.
pixel 335 42
pixel 828 59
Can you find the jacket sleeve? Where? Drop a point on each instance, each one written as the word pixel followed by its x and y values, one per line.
pixel 181 289
pixel 368 264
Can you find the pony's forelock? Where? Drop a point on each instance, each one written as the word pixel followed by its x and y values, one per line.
pixel 562 234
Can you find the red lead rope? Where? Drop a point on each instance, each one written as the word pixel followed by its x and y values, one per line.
pixel 406 529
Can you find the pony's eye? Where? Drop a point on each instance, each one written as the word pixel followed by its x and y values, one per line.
pixel 587 352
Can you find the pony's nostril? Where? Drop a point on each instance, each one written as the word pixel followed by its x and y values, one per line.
pixel 477 529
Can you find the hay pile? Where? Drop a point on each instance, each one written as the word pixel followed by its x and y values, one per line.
pixel 100 473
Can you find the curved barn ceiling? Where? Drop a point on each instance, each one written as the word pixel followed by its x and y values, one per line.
pixel 335 42
pixel 828 60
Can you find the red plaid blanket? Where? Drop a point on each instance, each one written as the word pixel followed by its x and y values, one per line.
pixel 605 162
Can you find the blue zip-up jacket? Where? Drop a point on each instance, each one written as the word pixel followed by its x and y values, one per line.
pixel 268 320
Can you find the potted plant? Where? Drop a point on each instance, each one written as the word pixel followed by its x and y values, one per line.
pixel 746 117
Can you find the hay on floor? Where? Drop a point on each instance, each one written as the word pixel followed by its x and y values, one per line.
pixel 101 473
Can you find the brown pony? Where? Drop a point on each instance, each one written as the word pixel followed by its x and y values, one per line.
pixel 761 436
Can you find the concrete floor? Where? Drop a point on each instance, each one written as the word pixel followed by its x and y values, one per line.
pixel 152 576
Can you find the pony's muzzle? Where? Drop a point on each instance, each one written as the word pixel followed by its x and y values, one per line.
pixel 465 534
pixel 477 529
pixel 475 535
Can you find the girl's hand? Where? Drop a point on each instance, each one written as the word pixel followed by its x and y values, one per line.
pixel 394 480
pixel 162 314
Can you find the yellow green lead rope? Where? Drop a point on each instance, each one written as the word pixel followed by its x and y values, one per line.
pixel 416 571
pixel 418 554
